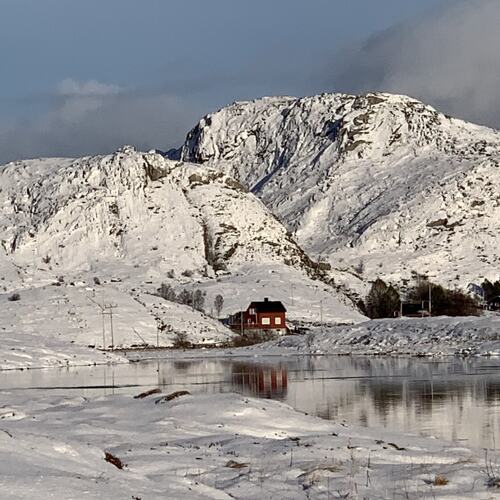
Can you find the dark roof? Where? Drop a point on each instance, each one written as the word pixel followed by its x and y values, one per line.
pixel 268 306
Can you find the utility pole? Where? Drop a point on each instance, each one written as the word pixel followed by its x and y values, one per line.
pixel 106 309
pixel 34 265
pixel 103 325
pixel 102 308
pixel 110 307
pixel 430 299
pixel 321 314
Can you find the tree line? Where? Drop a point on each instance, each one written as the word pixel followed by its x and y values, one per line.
pixel 490 290
pixel 192 298
pixel 384 301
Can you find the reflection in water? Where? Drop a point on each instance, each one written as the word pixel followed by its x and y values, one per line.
pixel 452 399
pixel 269 382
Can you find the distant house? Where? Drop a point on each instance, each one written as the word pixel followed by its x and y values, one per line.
pixel 267 316
pixel 494 303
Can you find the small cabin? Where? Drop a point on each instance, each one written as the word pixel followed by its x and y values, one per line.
pixel 267 316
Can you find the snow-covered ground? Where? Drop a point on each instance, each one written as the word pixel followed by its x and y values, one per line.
pixel 219 447
pixel 63 325
pixel 442 336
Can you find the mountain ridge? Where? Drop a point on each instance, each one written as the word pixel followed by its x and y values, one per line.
pixel 356 177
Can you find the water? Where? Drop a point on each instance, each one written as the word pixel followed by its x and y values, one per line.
pixel 453 399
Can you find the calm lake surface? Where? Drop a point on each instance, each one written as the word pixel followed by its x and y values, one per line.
pixel 453 399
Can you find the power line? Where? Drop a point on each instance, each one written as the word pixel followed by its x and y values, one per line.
pixel 106 310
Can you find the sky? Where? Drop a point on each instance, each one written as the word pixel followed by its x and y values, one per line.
pixel 85 77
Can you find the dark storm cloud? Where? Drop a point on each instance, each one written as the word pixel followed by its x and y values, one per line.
pixel 450 59
pixel 94 117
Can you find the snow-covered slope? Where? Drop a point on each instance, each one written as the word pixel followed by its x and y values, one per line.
pixel 110 229
pixel 135 209
pixel 358 178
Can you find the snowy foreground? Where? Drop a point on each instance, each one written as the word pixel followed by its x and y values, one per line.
pixel 218 447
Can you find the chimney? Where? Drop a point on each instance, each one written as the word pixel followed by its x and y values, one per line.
pixel 266 299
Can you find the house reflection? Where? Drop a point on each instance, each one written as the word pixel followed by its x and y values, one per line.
pixel 270 382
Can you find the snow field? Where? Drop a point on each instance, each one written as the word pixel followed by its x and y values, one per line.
pixel 216 447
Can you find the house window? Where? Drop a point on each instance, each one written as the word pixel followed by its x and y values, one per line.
pixel 251 311
pixel 277 321
pixel 266 321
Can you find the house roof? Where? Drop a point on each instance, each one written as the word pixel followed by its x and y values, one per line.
pixel 267 306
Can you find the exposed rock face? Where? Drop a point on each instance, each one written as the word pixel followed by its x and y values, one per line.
pixel 366 178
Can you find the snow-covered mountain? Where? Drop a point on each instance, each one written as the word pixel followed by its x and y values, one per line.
pixel 136 209
pixel 381 183
pixel 110 229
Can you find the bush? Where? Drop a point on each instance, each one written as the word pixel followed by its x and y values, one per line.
pixel 167 292
pixel 382 301
pixel 181 341
pixel 14 297
pixel 246 340
pixel 185 297
pixel 359 268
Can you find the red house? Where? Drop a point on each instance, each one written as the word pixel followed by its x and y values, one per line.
pixel 266 315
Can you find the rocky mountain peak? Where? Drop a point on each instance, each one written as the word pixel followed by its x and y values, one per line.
pixel 355 177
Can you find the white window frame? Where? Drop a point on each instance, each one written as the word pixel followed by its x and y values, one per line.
pixel 266 321
pixel 277 320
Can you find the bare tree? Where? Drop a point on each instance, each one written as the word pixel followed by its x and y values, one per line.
pixel 199 300
pixel 167 292
pixel 218 304
pixel 185 297
pixel 382 301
